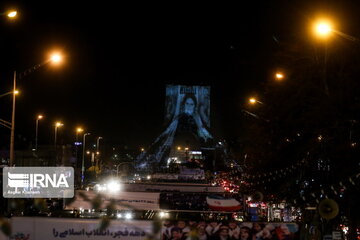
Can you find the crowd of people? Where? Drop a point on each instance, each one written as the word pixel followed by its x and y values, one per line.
pixel 232 230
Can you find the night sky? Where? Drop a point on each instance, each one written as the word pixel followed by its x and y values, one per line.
pixel 119 59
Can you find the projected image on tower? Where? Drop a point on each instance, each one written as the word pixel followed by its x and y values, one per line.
pixel 190 107
pixel 191 100
pixel 187 109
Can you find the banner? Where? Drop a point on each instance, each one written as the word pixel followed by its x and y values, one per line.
pixel 34 228
pixel 123 200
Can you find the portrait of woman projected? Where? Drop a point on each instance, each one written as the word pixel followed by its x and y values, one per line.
pixel 187 109
pixel 189 104
pixel 190 118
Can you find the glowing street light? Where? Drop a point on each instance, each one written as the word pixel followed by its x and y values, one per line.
pixel 279 76
pixel 39 117
pixel 323 28
pixel 253 101
pixel 57 125
pixel 8 93
pixel 12 14
pixel 78 130
pixel 21 75
pixel 56 58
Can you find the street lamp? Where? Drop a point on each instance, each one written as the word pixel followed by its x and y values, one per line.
pixel 55 58
pixel 253 101
pixel 8 93
pixel 324 28
pixel 78 130
pixel 39 117
pixel 57 125
pixel 10 14
pixel 97 143
pixel 279 76
pixel 83 157
pixel 98 152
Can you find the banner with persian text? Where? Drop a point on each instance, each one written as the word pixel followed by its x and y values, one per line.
pixel 34 228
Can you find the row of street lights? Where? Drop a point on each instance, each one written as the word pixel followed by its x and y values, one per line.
pixel 55 58
pixel 78 131
pixel 323 29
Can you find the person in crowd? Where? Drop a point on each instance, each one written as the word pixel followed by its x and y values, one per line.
pixel 192 224
pixel 185 229
pixel 245 233
pixel 266 233
pixel 166 230
pixel 198 233
pixel 256 228
pixel 222 233
pixel 234 229
pixel 176 234
pixel 282 232
pixel 202 233
pixel 212 228
pixel 202 224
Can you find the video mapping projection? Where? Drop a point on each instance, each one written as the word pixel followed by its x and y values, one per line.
pixel 187 109
pixel 191 100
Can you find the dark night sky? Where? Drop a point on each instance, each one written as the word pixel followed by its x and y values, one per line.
pixel 120 57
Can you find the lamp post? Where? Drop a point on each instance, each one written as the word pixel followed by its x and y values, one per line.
pixel 10 14
pixel 97 143
pixel 78 130
pixel 55 58
pixel 8 93
pixel 98 152
pixel 253 101
pixel 12 130
pixel 324 29
pixel 39 117
pixel 57 125
pixel 83 158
